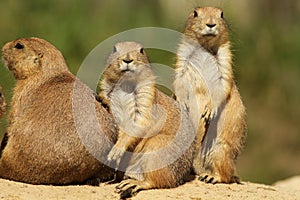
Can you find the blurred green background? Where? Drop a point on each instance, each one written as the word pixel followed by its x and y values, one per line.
pixel 266 46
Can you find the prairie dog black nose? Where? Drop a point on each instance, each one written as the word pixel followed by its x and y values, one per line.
pixel 127 61
pixel 210 25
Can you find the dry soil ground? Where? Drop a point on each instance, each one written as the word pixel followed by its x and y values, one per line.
pixel 287 190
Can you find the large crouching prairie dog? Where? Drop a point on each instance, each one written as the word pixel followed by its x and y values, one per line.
pixel 204 82
pixel 155 135
pixel 50 140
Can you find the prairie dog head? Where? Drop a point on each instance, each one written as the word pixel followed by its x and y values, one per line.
pixel 207 26
pixel 26 57
pixel 127 61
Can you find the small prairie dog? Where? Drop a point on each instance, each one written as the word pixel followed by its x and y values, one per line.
pixel 204 83
pixel 149 123
pixel 128 87
pixel 2 103
pixel 43 143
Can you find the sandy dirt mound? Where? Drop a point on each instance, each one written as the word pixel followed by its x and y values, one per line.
pixel 291 185
pixel 288 189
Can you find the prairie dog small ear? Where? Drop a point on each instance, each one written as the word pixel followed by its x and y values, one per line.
pixel 142 51
pixel 19 45
pixel 195 13
pixel 114 49
pixel 36 60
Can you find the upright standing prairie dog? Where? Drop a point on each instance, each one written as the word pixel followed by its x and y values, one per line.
pixel 2 103
pixel 204 83
pixel 150 123
pixel 43 143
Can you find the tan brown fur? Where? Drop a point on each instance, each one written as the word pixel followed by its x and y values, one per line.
pixel 43 145
pixel 204 83
pixel 154 135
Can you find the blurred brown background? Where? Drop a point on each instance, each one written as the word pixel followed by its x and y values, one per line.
pixel 266 45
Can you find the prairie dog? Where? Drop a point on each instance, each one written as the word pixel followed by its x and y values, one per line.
pixel 204 83
pixel 129 88
pixel 43 145
pixel 151 124
pixel 2 103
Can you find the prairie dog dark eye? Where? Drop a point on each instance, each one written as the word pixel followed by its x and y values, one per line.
pixel 222 15
pixel 19 46
pixel 195 14
pixel 142 51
